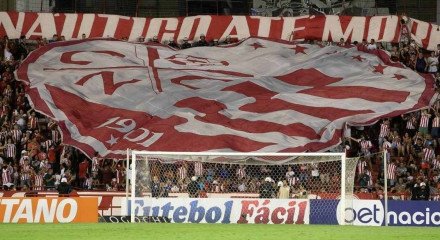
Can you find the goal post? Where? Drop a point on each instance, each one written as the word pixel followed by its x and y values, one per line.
pixel 344 186
pixel 232 175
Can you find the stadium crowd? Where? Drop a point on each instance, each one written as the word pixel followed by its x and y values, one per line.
pixel 33 157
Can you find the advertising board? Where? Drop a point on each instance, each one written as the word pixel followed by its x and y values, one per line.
pixel 224 210
pixel 49 210
pixel 372 213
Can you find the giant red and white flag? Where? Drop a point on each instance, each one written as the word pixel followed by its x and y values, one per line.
pixel 256 96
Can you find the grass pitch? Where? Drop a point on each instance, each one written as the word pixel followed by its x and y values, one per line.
pixel 124 231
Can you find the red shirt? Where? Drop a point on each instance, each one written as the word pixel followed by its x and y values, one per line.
pixel 83 166
pixel 51 155
pixel 42 156
pixel 2 86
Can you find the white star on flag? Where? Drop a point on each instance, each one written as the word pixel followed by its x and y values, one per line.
pixel 112 140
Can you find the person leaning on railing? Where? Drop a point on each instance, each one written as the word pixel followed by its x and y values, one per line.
pixel 64 188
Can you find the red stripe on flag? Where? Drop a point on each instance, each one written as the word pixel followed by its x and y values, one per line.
pixel 383 25
pixel 366 93
pixel 265 103
pixel 68 140
pixel 226 72
pixel 318 146
pixel 153 54
pixel 178 80
pixel 308 77
pixel 211 108
pixel 38 101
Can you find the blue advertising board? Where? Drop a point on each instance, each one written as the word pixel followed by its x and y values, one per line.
pixel 372 213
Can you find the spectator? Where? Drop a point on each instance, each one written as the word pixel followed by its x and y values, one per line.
pixel 395 54
pixel 432 63
pixel 224 172
pixel 165 188
pixel 202 42
pixel 401 170
pixel 364 179
pixel 118 172
pixel 241 172
pixel 364 43
pixel 173 44
pixel 193 188
pixel 301 193
pixel 107 174
pixel 182 172
pixel 267 189
pixel 25 174
pixel 64 188
pixel 423 192
pixel 83 169
pixel 227 40
pixel 242 187
pixel 88 184
pixel 155 187
pixel 384 131
pixel 303 174
pixel 214 42
pixel 424 122
pixel 141 39
pixel 54 38
pixel 7 55
pixel 155 39
pixel 341 42
pixel 49 179
pixel 185 44
pixel 37 180
pixel 284 190
pixel 290 176
pixel 372 45
pixel 365 145
pixel 6 178
pixel 399 189
pixel 63 169
pixel 315 172
pixel 421 63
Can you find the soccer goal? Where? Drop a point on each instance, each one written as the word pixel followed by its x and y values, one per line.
pixel 237 187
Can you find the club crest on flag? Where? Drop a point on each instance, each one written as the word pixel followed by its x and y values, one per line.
pixel 110 95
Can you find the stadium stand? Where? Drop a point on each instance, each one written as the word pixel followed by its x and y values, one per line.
pixel 33 157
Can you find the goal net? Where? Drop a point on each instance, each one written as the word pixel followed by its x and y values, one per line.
pixel 206 186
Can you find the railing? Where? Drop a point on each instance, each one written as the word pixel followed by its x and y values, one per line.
pixel 52 192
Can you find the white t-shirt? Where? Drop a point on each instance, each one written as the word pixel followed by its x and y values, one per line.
pixel 371 46
pixel 290 174
pixel 433 63
pixel 242 187
pixel 8 55
pixel 57 179
pixel 21 122
pixel 347 131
